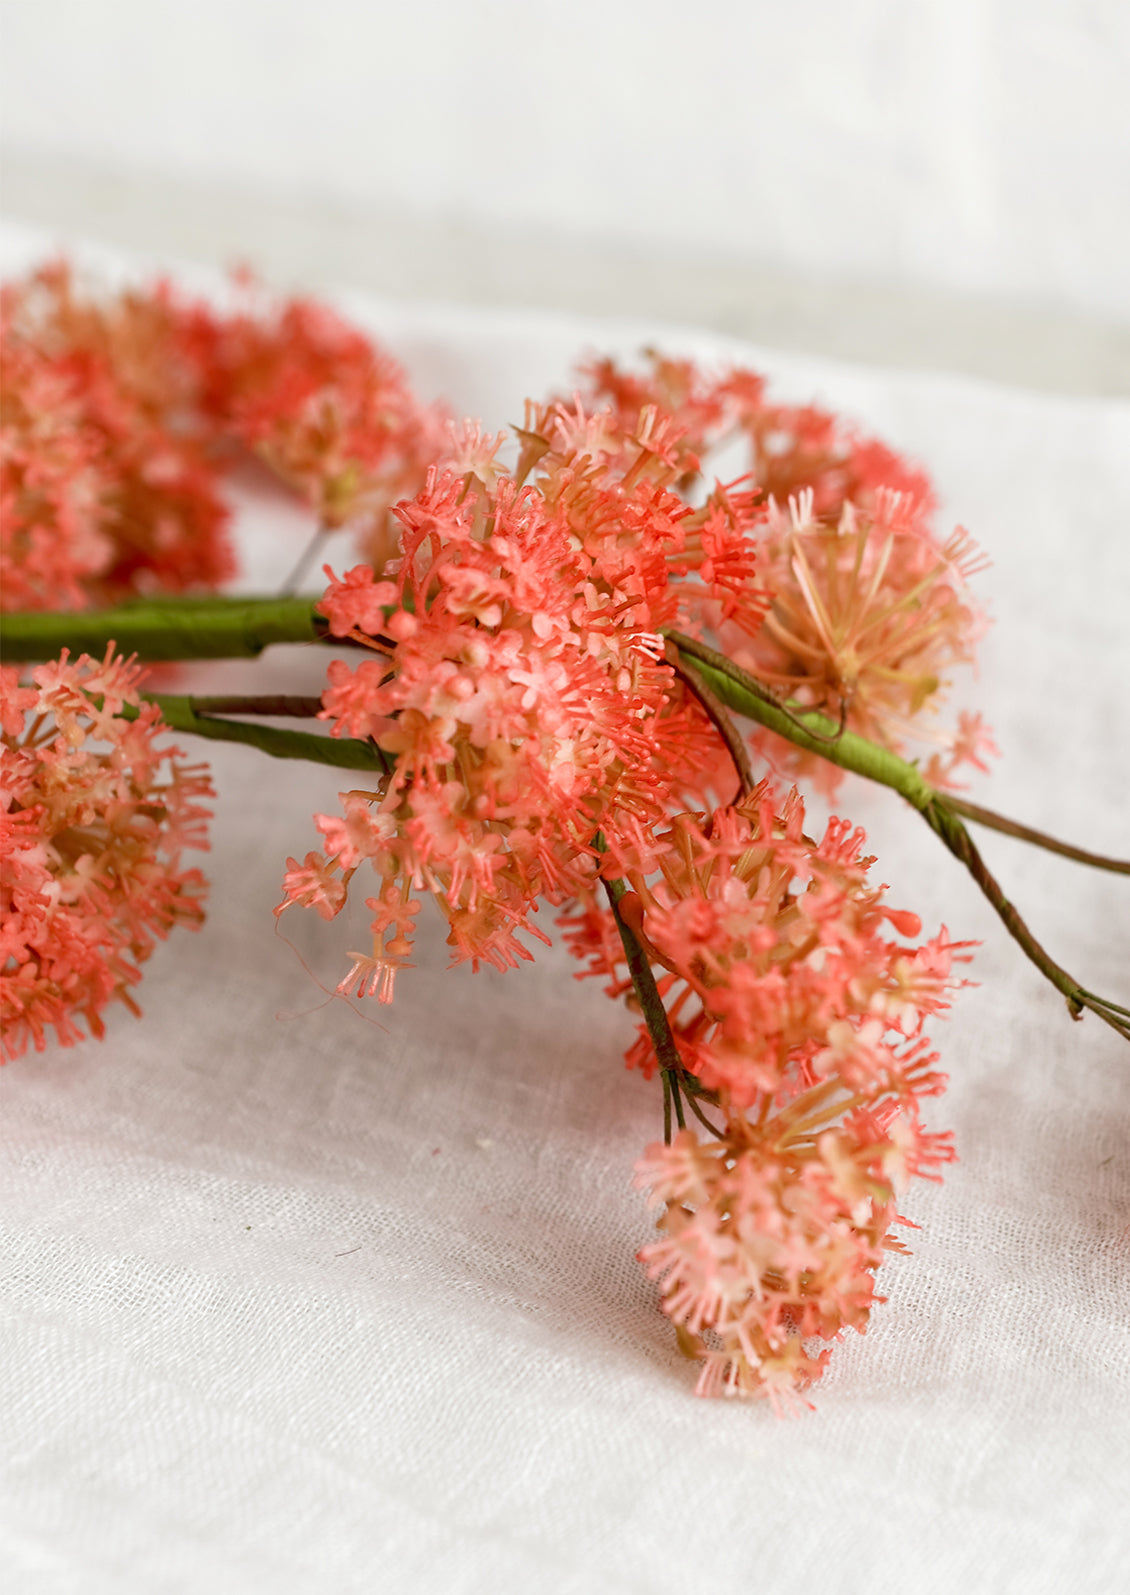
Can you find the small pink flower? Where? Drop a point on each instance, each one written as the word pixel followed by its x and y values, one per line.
pixel 312 884
pixel 357 601
pixel 361 833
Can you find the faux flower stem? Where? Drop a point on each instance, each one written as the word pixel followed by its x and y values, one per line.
pixel 809 730
pixel 281 705
pixel 718 717
pixel 945 824
pixel 157 629
pixel 651 1005
pixel 1025 833
pixel 305 560
pixel 183 713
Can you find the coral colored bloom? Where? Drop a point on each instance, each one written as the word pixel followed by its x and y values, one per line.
pixel 775 958
pixel 870 616
pixel 322 406
pixel 106 484
pixel 798 1020
pixel 120 414
pixel 870 611
pixel 536 740
pixel 94 821
pixel 515 681
pixel 788 1003
pixel 789 449
pixel 769 1243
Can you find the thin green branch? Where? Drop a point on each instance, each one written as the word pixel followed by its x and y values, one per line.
pixel 316 543
pixel 666 1080
pixel 347 753
pixel 807 729
pixel 1025 833
pixel 1115 1007
pixel 214 627
pixel 155 628
pixel 945 824
pixel 700 1115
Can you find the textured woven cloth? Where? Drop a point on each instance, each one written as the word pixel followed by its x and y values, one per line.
pixel 302 1299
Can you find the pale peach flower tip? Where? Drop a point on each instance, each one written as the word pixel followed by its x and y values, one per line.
pixel 871 615
pixel 770 1240
pixel 95 818
pixel 312 884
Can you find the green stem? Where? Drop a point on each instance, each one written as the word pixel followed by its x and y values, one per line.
pixel 153 629
pixel 305 560
pixel 945 824
pixel 806 728
pixel 214 627
pixel 348 753
pixel 1025 833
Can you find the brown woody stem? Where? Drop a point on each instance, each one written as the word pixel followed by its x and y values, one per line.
pixel 945 824
pixel 651 1006
pixel 1025 833
pixel 281 705
pixel 719 718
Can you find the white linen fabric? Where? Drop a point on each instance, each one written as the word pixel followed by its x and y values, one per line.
pixel 303 1298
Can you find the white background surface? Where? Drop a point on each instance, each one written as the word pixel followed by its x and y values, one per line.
pixel 940 183
pixel 973 144
pixel 296 1302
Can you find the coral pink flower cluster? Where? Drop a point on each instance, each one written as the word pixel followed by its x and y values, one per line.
pixel 869 618
pixel 792 1006
pixel 106 488
pixel 120 414
pixel 320 404
pixel 778 968
pixel 789 449
pixel 871 611
pixel 94 821
pixel 516 685
pixel 769 1242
